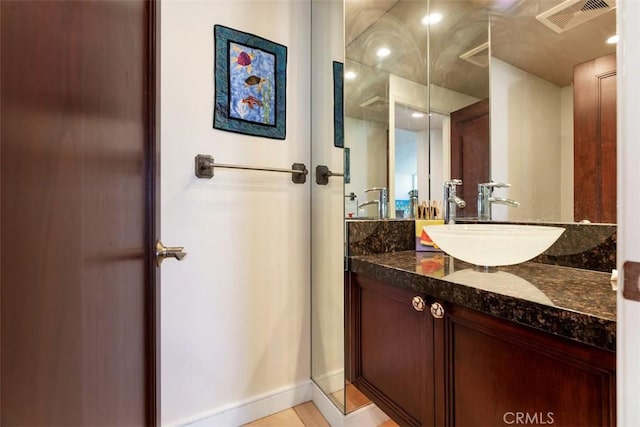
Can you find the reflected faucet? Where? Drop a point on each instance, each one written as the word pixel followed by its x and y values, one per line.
pixel 413 204
pixel 382 201
pixel 451 201
pixel 486 199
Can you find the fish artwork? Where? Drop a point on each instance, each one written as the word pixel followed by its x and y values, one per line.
pixel 254 80
pixel 252 101
pixel 243 59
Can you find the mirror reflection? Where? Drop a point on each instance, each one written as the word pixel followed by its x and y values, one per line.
pixel 388 90
pixel 513 92
pixel 505 109
pixel 553 109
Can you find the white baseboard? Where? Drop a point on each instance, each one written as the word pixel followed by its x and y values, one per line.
pixel 368 416
pixel 239 413
pixel 331 382
pixel 260 406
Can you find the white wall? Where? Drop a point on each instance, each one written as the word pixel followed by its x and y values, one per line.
pixel 566 154
pixel 525 143
pixel 437 164
pixel 406 166
pixel 368 144
pixel 235 313
pixel 628 333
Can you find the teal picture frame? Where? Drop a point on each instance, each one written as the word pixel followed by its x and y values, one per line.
pixel 250 76
pixel 338 104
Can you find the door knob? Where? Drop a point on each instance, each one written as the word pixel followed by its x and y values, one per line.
pixel 437 310
pixel 163 252
pixel 418 303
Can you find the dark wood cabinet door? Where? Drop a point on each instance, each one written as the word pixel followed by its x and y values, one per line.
pixel 470 152
pixel 395 363
pixel 594 104
pixel 499 373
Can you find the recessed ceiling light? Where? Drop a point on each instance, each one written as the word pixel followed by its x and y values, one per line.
pixel 612 39
pixel 417 115
pixel 383 52
pixel 432 18
pixel 350 75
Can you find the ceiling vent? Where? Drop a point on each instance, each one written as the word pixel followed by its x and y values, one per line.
pixel 572 13
pixel 478 55
pixel 377 103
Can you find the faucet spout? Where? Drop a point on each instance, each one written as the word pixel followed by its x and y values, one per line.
pixel 451 201
pixel 381 201
pixel 503 201
pixel 458 201
pixel 486 199
pixel 368 203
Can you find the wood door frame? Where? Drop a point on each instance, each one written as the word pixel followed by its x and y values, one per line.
pixel 153 212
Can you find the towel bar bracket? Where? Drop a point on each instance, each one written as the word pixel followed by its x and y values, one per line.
pixel 301 176
pixel 323 173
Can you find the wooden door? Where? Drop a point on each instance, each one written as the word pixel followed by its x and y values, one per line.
pixel 78 208
pixel 594 105
pixel 394 351
pixel 470 153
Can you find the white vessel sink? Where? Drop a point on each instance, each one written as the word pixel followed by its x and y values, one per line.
pixel 492 245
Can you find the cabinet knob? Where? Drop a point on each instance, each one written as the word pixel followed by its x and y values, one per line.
pixel 437 310
pixel 418 303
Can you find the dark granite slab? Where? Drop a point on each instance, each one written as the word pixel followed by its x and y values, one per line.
pixel 586 246
pixel 379 236
pixel 573 303
pixel 590 246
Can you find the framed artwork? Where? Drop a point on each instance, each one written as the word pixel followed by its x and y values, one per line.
pixel 338 104
pixel 250 84
pixel 347 165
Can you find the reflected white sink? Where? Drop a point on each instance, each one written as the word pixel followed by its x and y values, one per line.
pixel 500 282
pixel 491 245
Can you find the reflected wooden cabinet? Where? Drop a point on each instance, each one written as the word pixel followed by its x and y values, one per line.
pixel 594 105
pixel 469 368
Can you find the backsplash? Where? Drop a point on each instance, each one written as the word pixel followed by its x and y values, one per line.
pixel 368 237
pixel 586 246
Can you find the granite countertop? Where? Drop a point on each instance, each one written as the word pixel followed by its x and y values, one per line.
pixel 573 303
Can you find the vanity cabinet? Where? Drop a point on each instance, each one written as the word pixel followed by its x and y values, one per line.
pixel 396 359
pixel 468 368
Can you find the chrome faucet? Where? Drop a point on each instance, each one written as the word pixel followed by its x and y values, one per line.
pixel 486 199
pixel 382 201
pixel 451 201
pixel 413 204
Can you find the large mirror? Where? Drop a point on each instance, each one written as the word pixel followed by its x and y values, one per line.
pixel 507 63
pixel 424 79
pixel 398 105
pixel 553 113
